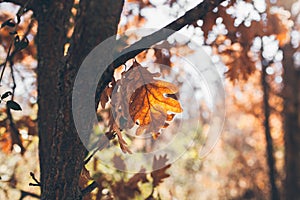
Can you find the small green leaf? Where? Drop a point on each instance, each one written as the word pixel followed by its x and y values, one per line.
pixel 5 95
pixel 13 105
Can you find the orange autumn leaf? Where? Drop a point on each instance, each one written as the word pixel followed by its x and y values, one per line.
pixel 140 99
pixel 149 106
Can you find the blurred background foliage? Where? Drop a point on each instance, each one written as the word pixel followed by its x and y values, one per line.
pixel 245 40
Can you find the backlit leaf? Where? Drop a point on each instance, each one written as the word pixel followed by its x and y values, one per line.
pixel 140 99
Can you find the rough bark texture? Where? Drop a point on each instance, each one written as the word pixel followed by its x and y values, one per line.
pixel 50 41
pixel 61 151
pixel 291 95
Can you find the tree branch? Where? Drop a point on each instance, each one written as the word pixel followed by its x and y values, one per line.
pixel 25 194
pixel 89 188
pixel 14 131
pixel 37 183
pixel 189 17
pixel 196 13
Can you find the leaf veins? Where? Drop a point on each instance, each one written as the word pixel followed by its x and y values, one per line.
pixel 140 99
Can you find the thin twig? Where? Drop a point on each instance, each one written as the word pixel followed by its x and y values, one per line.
pixel 15 134
pixel 11 64
pixel 25 194
pixel 89 188
pixel 103 142
pixel 37 183
pixel 196 13
pixel 5 62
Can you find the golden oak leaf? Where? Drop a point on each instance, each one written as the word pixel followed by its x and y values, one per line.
pixel 141 99
pixel 149 106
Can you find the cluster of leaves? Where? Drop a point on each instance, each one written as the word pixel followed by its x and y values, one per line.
pixel 18 43
pixel 128 187
pixel 138 98
pixel 234 43
pixel 14 41
pixel 15 33
pixel 235 47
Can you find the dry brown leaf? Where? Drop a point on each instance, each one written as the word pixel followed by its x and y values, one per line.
pixel 135 179
pixel 106 94
pixel 126 190
pixel 84 177
pixel 122 142
pixel 119 163
pixel 160 167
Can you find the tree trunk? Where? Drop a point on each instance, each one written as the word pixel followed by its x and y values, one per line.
pixel 60 149
pixel 291 124
pixel 269 140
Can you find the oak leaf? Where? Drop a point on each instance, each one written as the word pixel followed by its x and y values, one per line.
pixel 140 99
pixel 159 166
pixel 123 144
pixel 127 190
pixel 119 163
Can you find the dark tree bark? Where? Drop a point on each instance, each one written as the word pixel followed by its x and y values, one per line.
pixel 291 115
pixel 269 140
pixel 60 149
